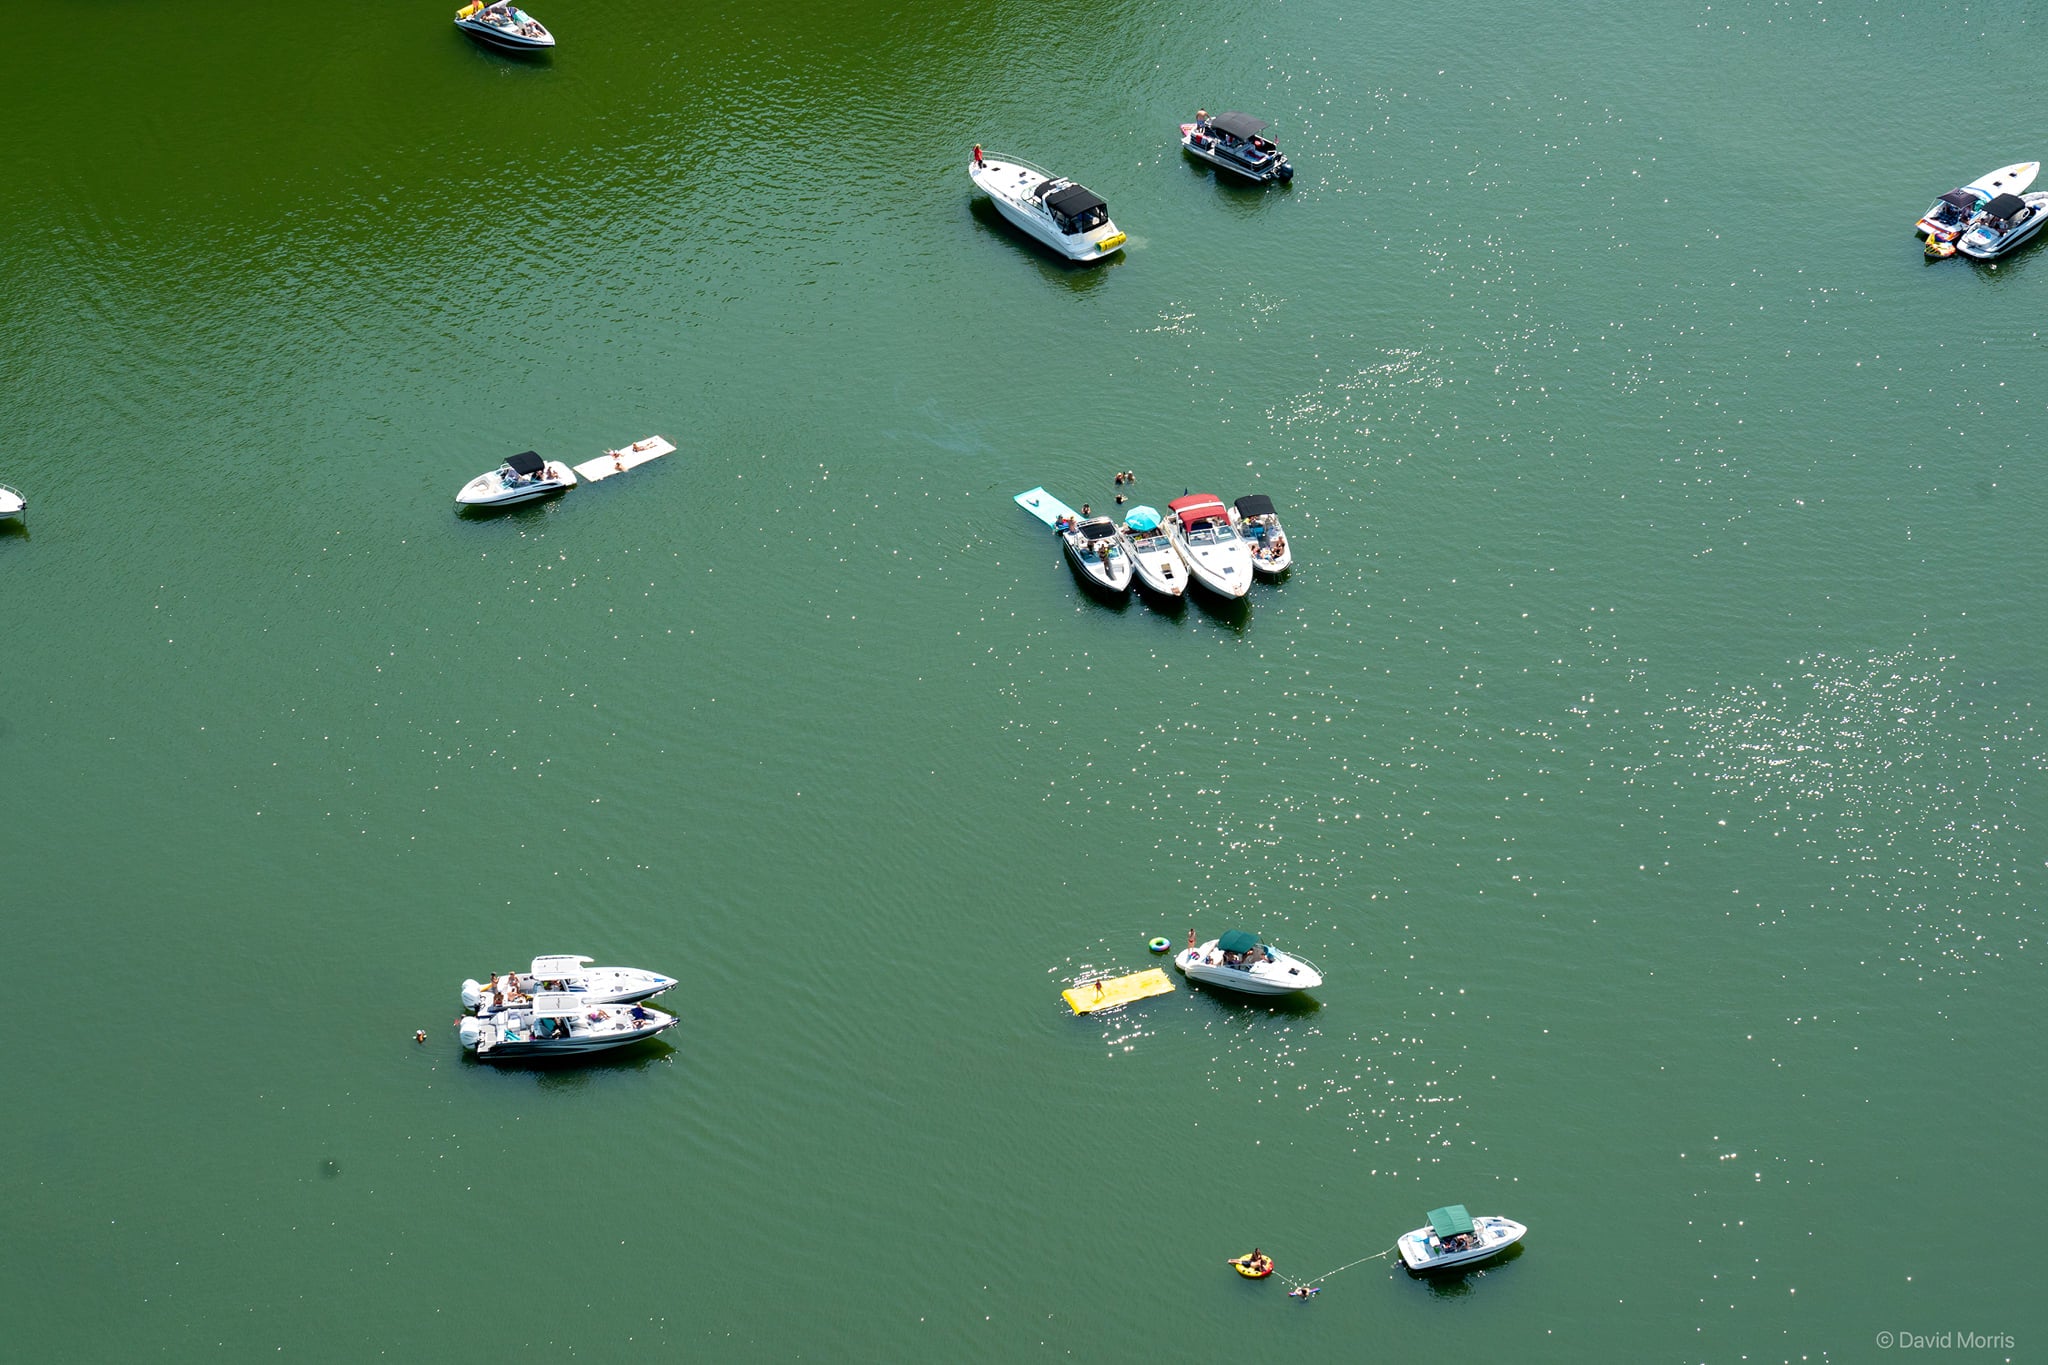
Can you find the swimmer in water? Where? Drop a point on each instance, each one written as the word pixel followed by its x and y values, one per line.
pixel 1305 1292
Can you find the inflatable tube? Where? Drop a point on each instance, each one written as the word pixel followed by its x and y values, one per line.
pixel 1253 1267
pixel 1159 945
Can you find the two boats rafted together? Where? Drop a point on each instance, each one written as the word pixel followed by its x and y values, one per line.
pixel 561 1006
pixel 1987 217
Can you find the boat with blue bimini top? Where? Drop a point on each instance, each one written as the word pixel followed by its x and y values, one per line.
pixel 505 26
pixel 1240 962
pixel 557 1026
pixel 1159 566
pixel 1453 1237
pixel 1071 219
pixel 2004 223
pixel 1236 143
pixel 564 974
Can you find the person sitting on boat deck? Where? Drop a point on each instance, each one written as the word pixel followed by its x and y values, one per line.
pixel 640 1015
pixel 1064 524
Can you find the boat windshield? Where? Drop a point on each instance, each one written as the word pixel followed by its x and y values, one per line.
pixel 1212 533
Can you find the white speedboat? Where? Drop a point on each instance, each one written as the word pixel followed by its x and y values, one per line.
pixel 522 478
pixel 1240 962
pixel 1947 217
pixel 564 974
pixel 1453 1237
pixel 1219 560
pixel 1069 218
pixel 504 26
pixel 1259 524
pixel 2004 223
pixel 1158 565
pixel 1098 552
pixel 557 1026
pixel 1233 142
pixel 12 503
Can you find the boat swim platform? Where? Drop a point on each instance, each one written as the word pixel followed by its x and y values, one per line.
pixel 628 457
pixel 1091 996
pixel 1046 507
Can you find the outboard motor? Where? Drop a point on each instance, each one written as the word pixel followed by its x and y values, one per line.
pixel 469 1030
pixel 472 995
pixel 1286 172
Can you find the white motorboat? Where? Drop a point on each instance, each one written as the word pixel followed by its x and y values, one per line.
pixel 1453 1237
pixel 1158 565
pixel 1947 217
pixel 1259 524
pixel 504 26
pixel 12 504
pixel 1239 962
pixel 564 974
pixel 1216 556
pixel 1069 218
pixel 2005 223
pixel 1233 142
pixel 557 1026
pixel 1098 552
pixel 522 478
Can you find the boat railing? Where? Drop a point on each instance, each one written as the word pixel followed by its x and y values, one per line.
pixel 1020 161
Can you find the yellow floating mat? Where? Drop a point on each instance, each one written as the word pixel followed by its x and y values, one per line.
pixel 1117 990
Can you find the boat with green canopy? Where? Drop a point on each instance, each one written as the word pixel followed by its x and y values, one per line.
pixel 1453 1237
pixel 1238 961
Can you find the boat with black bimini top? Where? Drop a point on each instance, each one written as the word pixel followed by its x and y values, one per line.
pixel 1071 219
pixel 505 26
pixel 1097 552
pixel 522 478
pixel 1949 216
pixel 564 974
pixel 1236 142
pixel 1453 1237
pixel 1259 524
pixel 2004 223
pixel 557 1026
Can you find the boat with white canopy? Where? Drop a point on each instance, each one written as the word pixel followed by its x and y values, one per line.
pixel 522 478
pixel 1259 524
pixel 557 1026
pixel 1158 565
pixel 1217 557
pixel 1238 961
pixel 1453 1237
pixel 564 974
pixel 1071 219
pixel 505 26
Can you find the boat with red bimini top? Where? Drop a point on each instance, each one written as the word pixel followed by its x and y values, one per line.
pixel 1217 557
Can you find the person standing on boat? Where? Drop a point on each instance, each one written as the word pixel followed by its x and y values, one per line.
pixel 977 156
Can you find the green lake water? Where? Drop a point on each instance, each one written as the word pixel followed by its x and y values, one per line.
pixel 1648 743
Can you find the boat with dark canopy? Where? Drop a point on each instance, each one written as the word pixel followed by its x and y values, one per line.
pixel 1240 962
pixel 1259 524
pixel 1948 217
pixel 1098 553
pixel 1071 219
pixel 2005 223
pixel 1236 142
pixel 522 478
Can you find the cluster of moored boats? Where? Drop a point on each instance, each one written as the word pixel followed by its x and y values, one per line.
pixel 1199 542
pixel 560 1006
pixel 1987 217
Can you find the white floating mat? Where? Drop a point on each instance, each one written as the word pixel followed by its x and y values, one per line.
pixel 1045 506
pixel 627 457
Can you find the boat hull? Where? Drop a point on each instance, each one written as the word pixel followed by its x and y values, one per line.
pixel 1224 574
pixel 1158 571
pixel 542 1049
pixel 12 504
pixel 490 490
pixel 1495 1235
pixel 1111 575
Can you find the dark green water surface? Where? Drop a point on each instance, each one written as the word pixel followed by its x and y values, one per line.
pixel 1648 743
